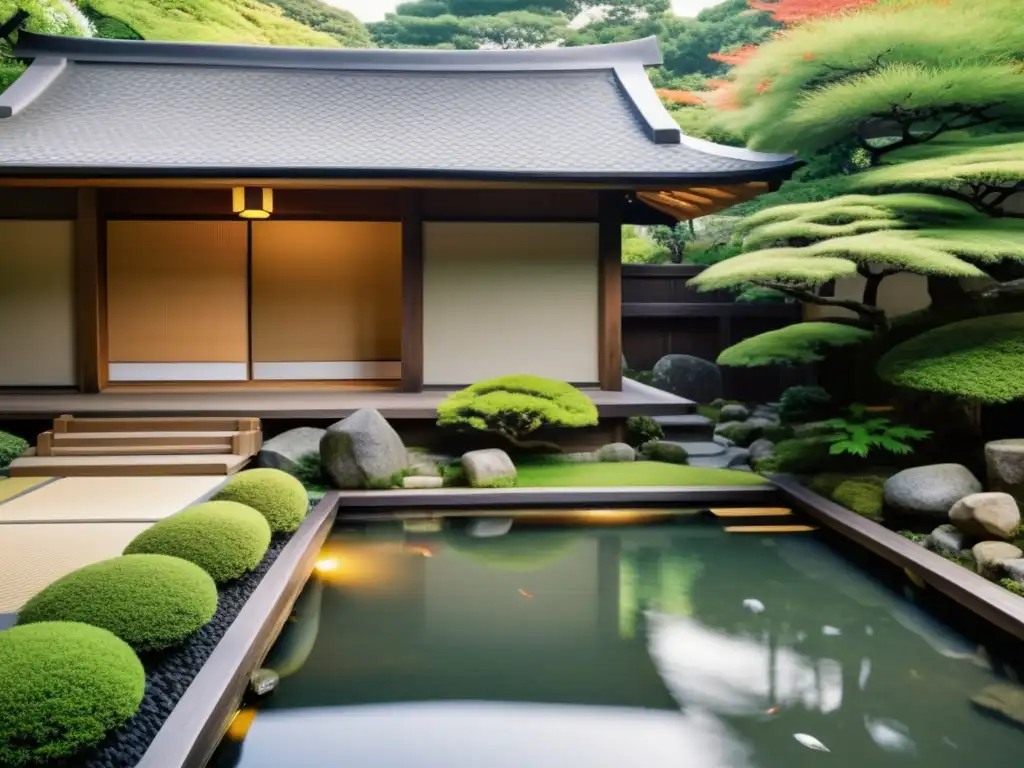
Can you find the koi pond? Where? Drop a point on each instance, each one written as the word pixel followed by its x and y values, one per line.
pixel 659 641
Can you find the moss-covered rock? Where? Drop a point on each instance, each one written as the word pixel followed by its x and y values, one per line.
pixel 63 687
pixel 276 495
pixel 669 453
pixel 151 602
pixel 800 456
pixel 742 433
pixel 224 538
pixel 11 447
pixel 863 496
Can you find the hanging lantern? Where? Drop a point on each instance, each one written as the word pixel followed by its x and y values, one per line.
pixel 252 202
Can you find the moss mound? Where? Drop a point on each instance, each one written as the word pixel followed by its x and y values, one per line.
pixel 977 359
pixel 224 538
pixel 149 601
pixel 63 687
pixel 276 495
pixel 11 447
pixel 670 453
pixel 798 344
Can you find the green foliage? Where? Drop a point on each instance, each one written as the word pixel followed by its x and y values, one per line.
pixel 340 24
pixel 276 495
pixel 864 498
pixel 669 453
pixel 740 432
pixel 859 434
pixel 63 687
pixel 387 483
pixel 642 429
pixel 224 21
pixel 917 538
pixel 803 456
pixel 497 482
pixel 454 475
pixel 309 471
pixel 11 447
pixel 151 602
pixel 628 474
pixel 927 66
pixel 463 24
pixel 108 28
pixel 1014 586
pixel 50 17
pixel 779 266
pixel 637 249
pixel 706 255
pixel 796 191
pixel 804 403
pixel 516 406
pixel 979 359
pixel 644 377
pixel 224 538
pixel 797 344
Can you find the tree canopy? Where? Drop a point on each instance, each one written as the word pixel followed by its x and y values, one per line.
pixel 797 344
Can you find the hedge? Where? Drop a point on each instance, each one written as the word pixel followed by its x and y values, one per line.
pixel 275 494
pixel 151 602
pixel 224 538
pixel 63 687
pixel 11 447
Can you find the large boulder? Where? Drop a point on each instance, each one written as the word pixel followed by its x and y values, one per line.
pixel 928 493
pixel 990 556
pixel 489 468
pixel 362 451
pixel 689 377
pixel 761 449
pixel 1004 460
pixel 283 451
pixel 986 515
pixel 733 412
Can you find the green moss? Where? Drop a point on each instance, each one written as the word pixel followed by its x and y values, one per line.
pixel 276 495
pixel 309 471
pixel 798 344
pixel 642 429
pixel 740 432
pixel 864 498
pixel 804 403
pixel 498 482
pixel 149 601
pixel 978 359
pixel 917 538
pixel 224 538
pixel 669 453
pixel 808 455
pixel 629 473
pixel 387 483
pixel 1014 586
pixel 453 475
pixel 63 687
pixel 11 447
pixel 711 412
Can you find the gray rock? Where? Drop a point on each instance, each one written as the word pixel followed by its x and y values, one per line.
pixel 425 464
pixel 740 458
pixel 1003 700
pixel 688 376
pixel 360 450
pixel 761 449
pixel 488 467
pixel 946 540
pixel 929 492
pixel 283 451
pixel 730 458
pixel 733 412
pixel 616 452
pixel 718 402
pixel 762 421
pixel 1014 569
pixel 422 481
pixel 986 515
pixel 723 441
pixel 1004 461
pixel 489 527
pixel 700 447
pixel 990 556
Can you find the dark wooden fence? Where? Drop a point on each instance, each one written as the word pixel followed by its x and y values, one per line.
pixel 661 316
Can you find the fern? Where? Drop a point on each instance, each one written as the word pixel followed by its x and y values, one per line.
pixel 858 435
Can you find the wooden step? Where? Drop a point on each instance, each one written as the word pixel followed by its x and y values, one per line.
pixel 96 439
pixel 156 424
pixel 131 443
pixel 751 512
pixel 769 528
pixel 138 450
pixel 107 466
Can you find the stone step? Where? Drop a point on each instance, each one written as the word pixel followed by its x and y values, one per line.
pixel 696 449
pixel 691 425
pixel 720 460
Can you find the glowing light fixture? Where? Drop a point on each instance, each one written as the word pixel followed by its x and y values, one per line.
pixel 327 565
pixel 252 202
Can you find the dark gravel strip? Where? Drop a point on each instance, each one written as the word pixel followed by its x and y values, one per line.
pixel 170 672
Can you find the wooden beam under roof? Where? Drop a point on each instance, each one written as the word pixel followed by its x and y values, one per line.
pixel 694 202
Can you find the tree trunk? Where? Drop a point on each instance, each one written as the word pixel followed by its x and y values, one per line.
pixel 946 292
pixel 871 286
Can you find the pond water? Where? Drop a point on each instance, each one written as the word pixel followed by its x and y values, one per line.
pixel 668 645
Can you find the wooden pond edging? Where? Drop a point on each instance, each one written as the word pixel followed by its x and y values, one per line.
pixel 447 498
pixel 990 601
pixel 189 737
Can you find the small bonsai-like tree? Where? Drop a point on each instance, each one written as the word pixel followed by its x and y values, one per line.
pixel 515 407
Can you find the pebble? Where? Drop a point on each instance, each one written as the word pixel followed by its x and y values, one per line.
pixel 169 673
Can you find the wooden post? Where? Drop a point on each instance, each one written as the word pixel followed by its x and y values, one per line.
pixel 90 314
pixel 610 291
pixel 412 291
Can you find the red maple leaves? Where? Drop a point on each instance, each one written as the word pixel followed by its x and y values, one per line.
pixel 796 11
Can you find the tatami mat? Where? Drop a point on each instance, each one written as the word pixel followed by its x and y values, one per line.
pixel 33 556
pixel 107 499
pixel 15 486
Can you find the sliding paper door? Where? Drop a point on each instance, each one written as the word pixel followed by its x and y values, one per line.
pixel 177 301
pixel 326 300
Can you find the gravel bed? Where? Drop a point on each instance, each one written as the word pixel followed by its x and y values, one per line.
pixel 169 673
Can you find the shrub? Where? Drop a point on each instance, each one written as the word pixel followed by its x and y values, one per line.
pixel 798 344
pixel 669 453
pixel 804 403
pixel 977 359
pixel 149 601
pixel 516 406
pixel 309 471
pixel 453 475
pixel 861 496
pixel 642 429
pixel 11 447
pixel 224 538
pixel 276 495
pixel 63 687
pixel 740 432
pixel 777 432
pixel 1014 586
pixel 858 435
pixel 806 455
